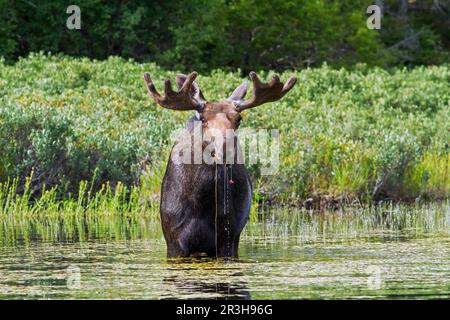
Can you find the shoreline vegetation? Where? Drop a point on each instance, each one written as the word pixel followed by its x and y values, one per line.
pixel 124 215
pixel 79 134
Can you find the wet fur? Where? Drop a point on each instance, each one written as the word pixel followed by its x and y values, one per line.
pixel 188 208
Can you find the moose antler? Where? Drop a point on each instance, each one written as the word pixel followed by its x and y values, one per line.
pixel 265 92
pixel 188 96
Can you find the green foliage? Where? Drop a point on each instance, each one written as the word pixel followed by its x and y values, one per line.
pixel 278 34
pixel 209 34
pixel 118 214
pixel 416 32
pixel 130 28
pixel 365 133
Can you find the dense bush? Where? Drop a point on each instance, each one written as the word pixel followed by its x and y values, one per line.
pixel 245 34
pixel 366 132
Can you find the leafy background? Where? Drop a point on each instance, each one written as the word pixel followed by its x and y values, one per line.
pixel 367 133
pixel 244 34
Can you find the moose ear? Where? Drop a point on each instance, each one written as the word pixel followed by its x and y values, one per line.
pixel 196 93
pixel 240 92
pixel 180 79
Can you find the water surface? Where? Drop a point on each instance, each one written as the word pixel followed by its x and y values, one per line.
pixel 393 252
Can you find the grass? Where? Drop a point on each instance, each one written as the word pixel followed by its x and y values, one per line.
pixel 382 221
pixel 125 214
pixel 120 214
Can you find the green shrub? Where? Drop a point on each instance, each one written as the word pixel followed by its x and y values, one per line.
pixel 362 133
pixel 245 34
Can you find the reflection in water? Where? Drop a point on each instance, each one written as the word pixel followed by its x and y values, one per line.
pixel 201 278
pixel 202 289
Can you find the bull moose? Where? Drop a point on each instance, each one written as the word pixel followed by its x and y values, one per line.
pixel 205 206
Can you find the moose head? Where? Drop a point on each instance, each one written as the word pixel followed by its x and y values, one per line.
pixel 222 115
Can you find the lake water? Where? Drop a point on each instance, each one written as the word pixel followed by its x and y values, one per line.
pixel 388 252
